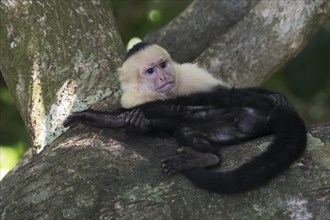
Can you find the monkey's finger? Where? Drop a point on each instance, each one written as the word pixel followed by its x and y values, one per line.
pixel 181 150
pixel 72 119
pixel 139 123
pixel 123 115
pixel 68 121
pixel 167 169
pixel 130 116
pixel 135 118
pixel 195 109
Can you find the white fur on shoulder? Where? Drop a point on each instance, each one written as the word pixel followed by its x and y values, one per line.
pixel 191 79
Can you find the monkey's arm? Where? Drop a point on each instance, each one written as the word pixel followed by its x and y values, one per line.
pixel 97 119
pixel 219 101
pixel 134 120
pixel 138 123
pixel 163 109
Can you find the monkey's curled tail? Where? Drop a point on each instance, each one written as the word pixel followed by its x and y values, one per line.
pixel 288 145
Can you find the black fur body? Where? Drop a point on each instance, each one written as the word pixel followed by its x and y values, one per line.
pixel 204 122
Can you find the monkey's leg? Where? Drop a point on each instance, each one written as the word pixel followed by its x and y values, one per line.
pixel 245 128
pixel 188 158
pixel 233 127
pixel 248 97
pixel 224 131
pixel 96 119
pixel 271 98
pixel 201 154
pixel 194 138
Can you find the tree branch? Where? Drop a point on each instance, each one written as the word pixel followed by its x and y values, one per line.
pixel 50 68
pixel 99 173
pixel 273 33
pixel 197 27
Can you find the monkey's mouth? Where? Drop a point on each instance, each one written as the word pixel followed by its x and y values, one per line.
pixel 166 87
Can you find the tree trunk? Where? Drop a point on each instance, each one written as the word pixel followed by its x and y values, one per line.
pixel 200 25
pixel 91 173
pixel 58 57
pixel 61 56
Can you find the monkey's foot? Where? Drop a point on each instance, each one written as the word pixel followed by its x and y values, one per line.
pixel 188 158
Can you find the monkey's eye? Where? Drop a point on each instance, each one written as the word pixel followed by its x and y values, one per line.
pixel 163 65
pixel 150 70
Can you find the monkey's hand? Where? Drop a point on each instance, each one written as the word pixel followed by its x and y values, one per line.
pixel 137 122
pixel 73 119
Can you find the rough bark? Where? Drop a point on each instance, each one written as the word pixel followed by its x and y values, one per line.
pixel 56 57
pixel 101 174
pixel 200 25
pixel 268 37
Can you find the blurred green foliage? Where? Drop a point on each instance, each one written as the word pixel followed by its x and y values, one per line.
pixel 136 18
pixel 13 135
pixel 304 80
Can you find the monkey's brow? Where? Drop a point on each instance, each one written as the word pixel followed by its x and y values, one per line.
pixel 162 61
pixel 154 64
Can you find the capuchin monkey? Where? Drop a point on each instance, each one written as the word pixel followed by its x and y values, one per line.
pixel 203 114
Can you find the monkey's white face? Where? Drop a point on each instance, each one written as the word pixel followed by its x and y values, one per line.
pixel 150 70
pixel 157 76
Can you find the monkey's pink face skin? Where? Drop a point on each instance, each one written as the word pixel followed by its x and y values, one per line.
pixel 150 70
pixel 158 77
pixel 166 87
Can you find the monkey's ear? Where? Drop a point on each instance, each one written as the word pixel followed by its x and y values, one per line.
pixel 129 79
pixel 119 71
pixel 123 74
